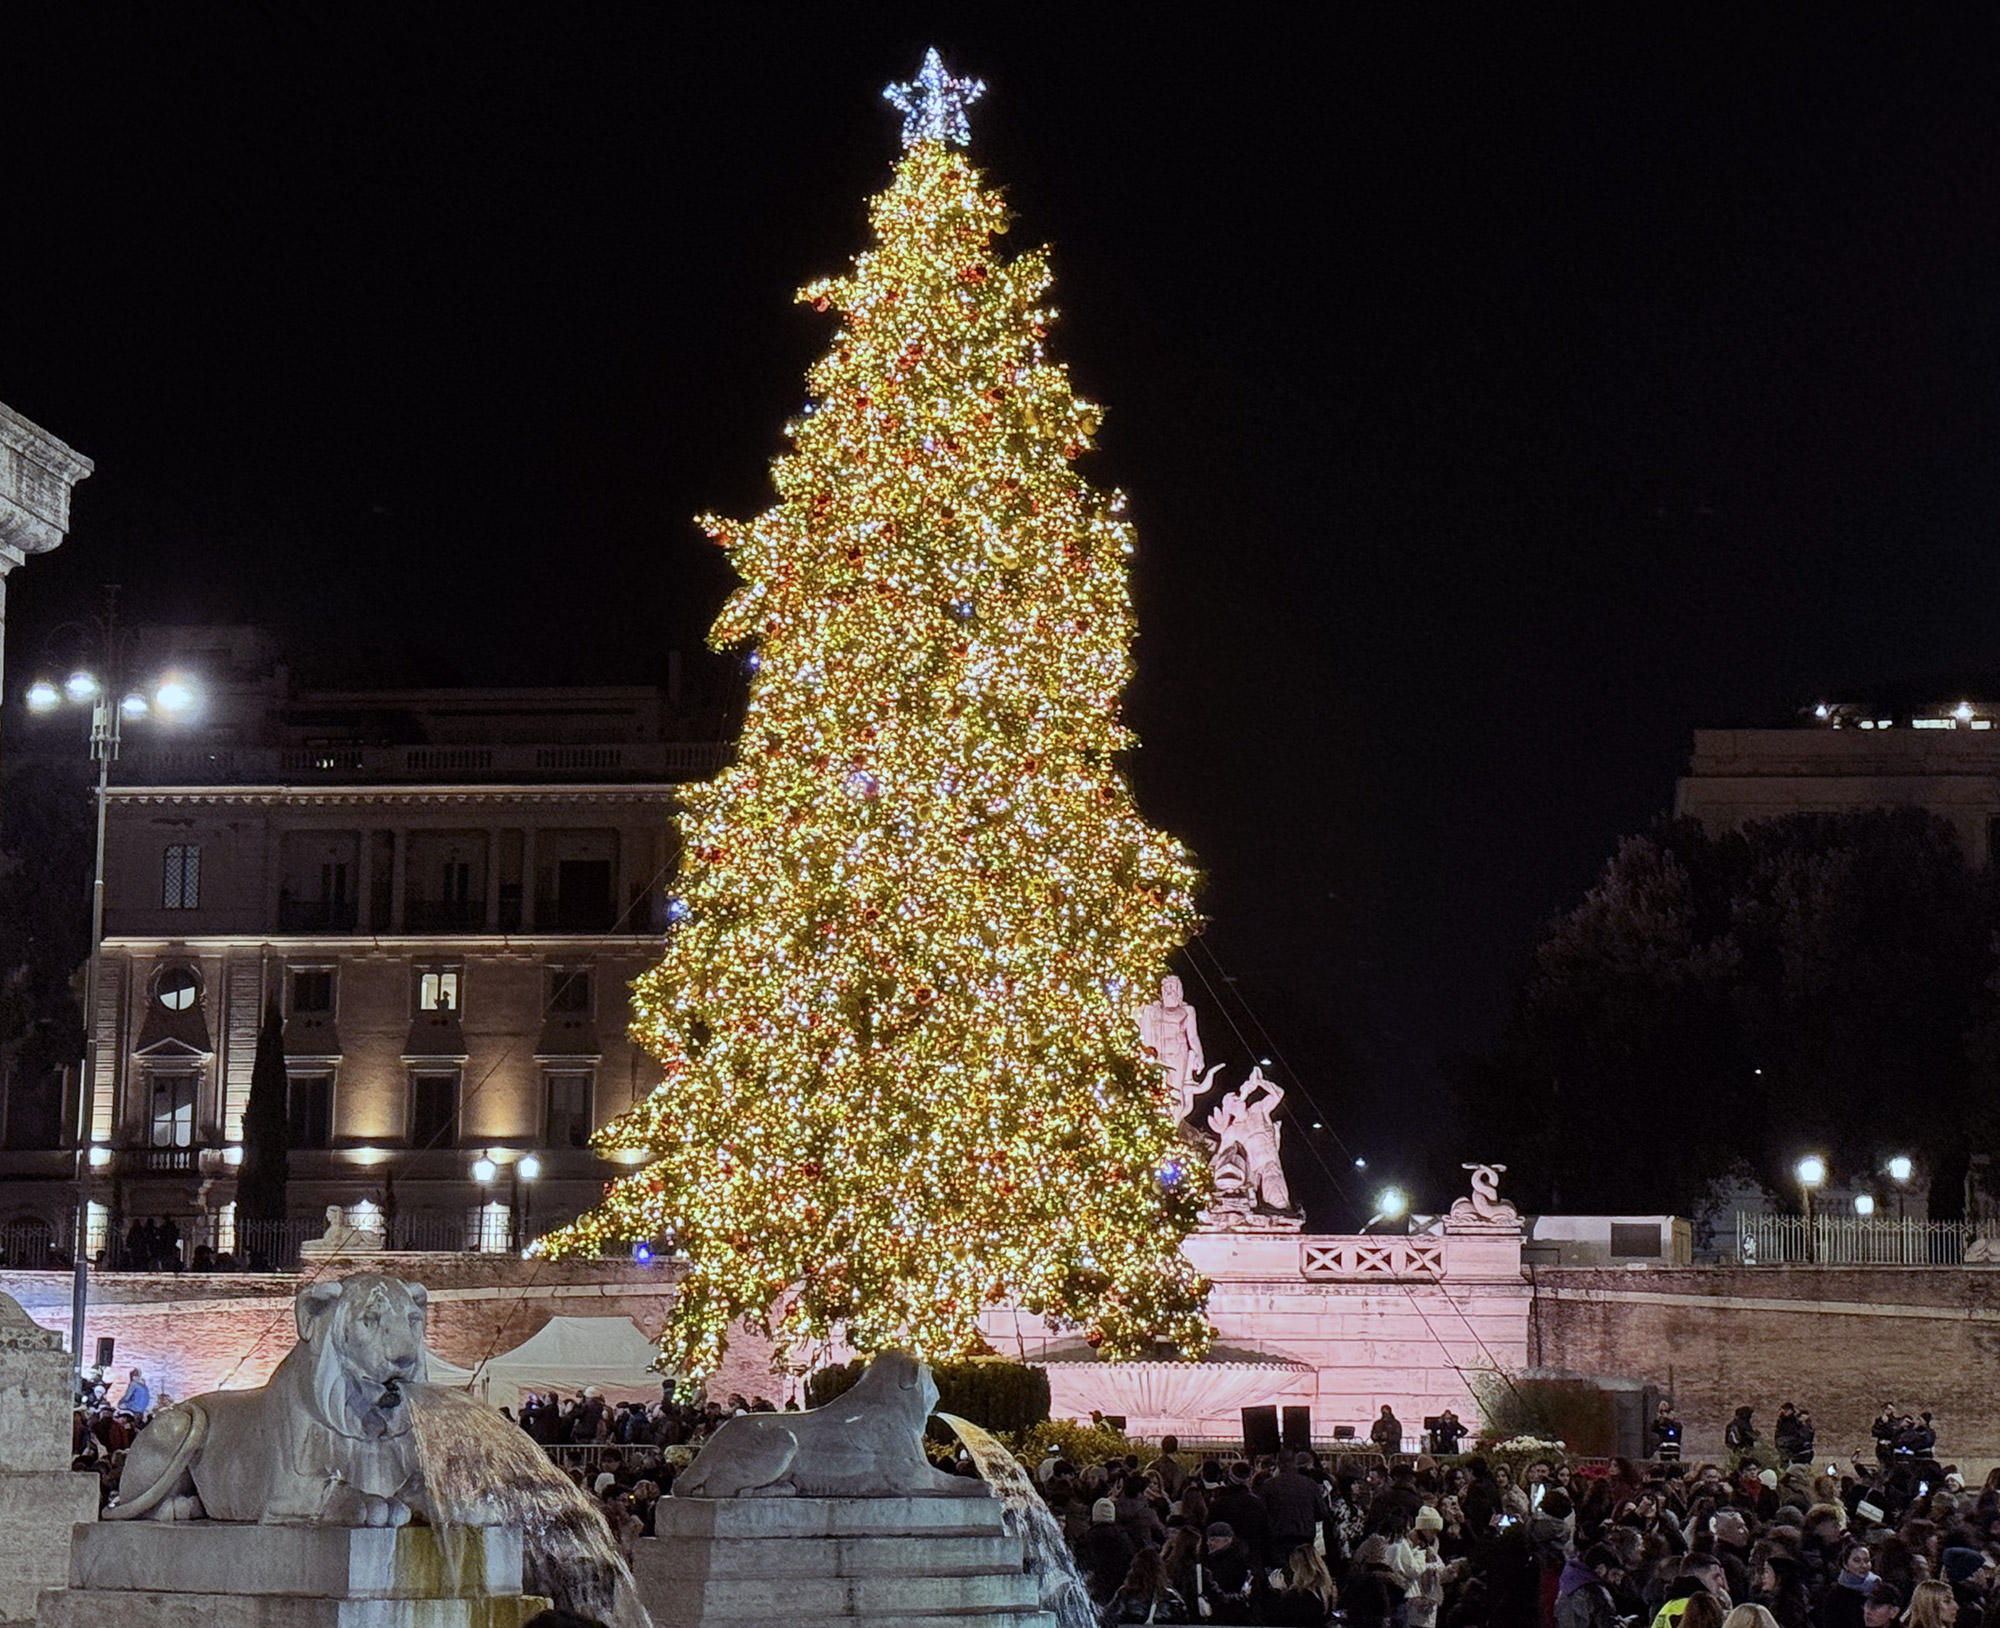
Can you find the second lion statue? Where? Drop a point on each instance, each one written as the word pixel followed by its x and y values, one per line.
pixel 866 1443
pixel 327 1441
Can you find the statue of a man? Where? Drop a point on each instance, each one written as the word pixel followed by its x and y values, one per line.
pixel 1171 1038
pixel 1244 1121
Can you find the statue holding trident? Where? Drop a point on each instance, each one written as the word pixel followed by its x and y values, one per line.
pixel 1171 1037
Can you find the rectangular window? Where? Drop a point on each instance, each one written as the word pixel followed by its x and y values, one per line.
pixel 569 991
pixel 437 990
pixel 180 881
pixel 97 1228
pixel 312 989
pixel 434 1110
pixel 567 1123
pixel 225 1229
pixel 173 1110
pixel 309 1109
pixel 1631 1240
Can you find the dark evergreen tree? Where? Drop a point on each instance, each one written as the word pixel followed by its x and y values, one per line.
pixel 267 1140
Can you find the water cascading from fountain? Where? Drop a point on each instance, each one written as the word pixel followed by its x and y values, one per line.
pixel 482 1469
pixel 1047 1554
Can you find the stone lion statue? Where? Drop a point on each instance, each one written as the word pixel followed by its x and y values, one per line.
pixel 867 1443
pixel 327 1441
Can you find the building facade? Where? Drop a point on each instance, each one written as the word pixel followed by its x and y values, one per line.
pixel 1944 758
pixel 445 894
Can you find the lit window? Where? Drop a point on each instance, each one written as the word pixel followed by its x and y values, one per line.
pixel 96 1228
pixel 177 988
pixel 490 1229
pixel 180 884
pixel 225 1229
pixel 173 1110
pixel 437 991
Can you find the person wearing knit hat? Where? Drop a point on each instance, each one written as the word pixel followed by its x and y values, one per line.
pixel 1428 1520
pixel 1103 1513
pixel 1104 1552
pixel 1220 1532
pixel 1960 1565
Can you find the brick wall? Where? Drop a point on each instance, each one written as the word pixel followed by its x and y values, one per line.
pixel 198 1332
pixel 1838 1340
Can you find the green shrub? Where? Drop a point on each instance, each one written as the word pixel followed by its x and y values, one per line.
pixel 1574 1412
pixel 995 1394
pixel 1083 1445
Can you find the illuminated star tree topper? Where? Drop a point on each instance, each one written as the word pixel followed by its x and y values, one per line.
pixel 933 104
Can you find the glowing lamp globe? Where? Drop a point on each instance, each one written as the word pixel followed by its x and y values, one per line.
pixel 484 1170
pixel 1811 1171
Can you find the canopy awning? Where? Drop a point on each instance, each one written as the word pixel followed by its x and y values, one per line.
pixel 568 1353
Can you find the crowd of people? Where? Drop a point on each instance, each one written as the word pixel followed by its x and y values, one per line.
pixel 1298 1538
pixel 588 1419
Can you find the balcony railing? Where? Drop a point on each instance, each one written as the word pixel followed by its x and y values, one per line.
pixel 444 915
pixel 1789 1240
pixel 162 1161
pixel 373 765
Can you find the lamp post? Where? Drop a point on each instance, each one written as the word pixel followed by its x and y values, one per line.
pixel 171 698
pixel 1391 1204
pixel 524 1170
pixel 1901 1168
pixel 1811 1171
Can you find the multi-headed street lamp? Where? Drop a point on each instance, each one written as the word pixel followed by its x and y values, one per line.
pixel 168 697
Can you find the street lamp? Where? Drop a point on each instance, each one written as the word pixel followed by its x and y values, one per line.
pixel 1901 1168
pixel 171 697
pixel 1811 1171
pixel 524 1170
pixel 1864 1205
pixel 1391 1204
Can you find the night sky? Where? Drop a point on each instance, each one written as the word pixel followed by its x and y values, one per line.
pixel 1501 396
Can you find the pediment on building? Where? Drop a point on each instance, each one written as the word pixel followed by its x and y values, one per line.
pixel 568 1037
pixel 311 1034
pixel 435 1034
pixel 167 1033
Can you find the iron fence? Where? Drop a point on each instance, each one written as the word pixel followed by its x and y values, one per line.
pixel 1828 1240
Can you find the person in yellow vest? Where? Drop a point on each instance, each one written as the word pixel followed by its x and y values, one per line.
pixel 1700 1574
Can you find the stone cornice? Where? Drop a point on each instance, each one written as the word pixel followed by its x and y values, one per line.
pixel 36 474
pixel 352 944
pixel 653 794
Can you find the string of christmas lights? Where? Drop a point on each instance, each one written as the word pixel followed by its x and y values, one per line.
pixel 915 915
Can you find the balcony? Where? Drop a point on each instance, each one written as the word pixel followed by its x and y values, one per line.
pixel 346 765
pixel 316 915
pixel 161 1161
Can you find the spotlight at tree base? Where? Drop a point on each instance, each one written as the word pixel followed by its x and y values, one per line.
pixel 1901 1168
pixel 1811 1171
pixel 43 696
pixel 1393 1204
pixel 642 1253
pixel 901 1081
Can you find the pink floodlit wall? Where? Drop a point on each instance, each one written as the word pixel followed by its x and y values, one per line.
pixel 1343 1325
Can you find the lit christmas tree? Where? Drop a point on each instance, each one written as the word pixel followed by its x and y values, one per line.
pixel 914 918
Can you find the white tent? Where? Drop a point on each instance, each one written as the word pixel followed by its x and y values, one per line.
pixel 568 1353
pixel 443 1371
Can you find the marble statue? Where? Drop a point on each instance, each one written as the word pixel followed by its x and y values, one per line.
pixel 342 1237
pixel 326 1442
pixel 1484 1209
pixel 1171 1037
pixel 866 1443
pixel 1243 1123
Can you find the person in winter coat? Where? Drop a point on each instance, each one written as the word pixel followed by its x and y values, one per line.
pixel 1583 1592
pixel 1293 1502
pixel 1104 1553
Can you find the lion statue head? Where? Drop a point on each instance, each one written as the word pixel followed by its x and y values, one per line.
pixel 366 1338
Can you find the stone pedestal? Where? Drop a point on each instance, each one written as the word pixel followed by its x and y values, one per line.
pixel 219 1574
pixel 822 1562
pixel 41 1498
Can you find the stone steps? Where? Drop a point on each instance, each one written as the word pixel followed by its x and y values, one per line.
pixel 952 1555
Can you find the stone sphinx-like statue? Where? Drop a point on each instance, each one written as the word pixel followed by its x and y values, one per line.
pixel 866 1443
pixel 327 1441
